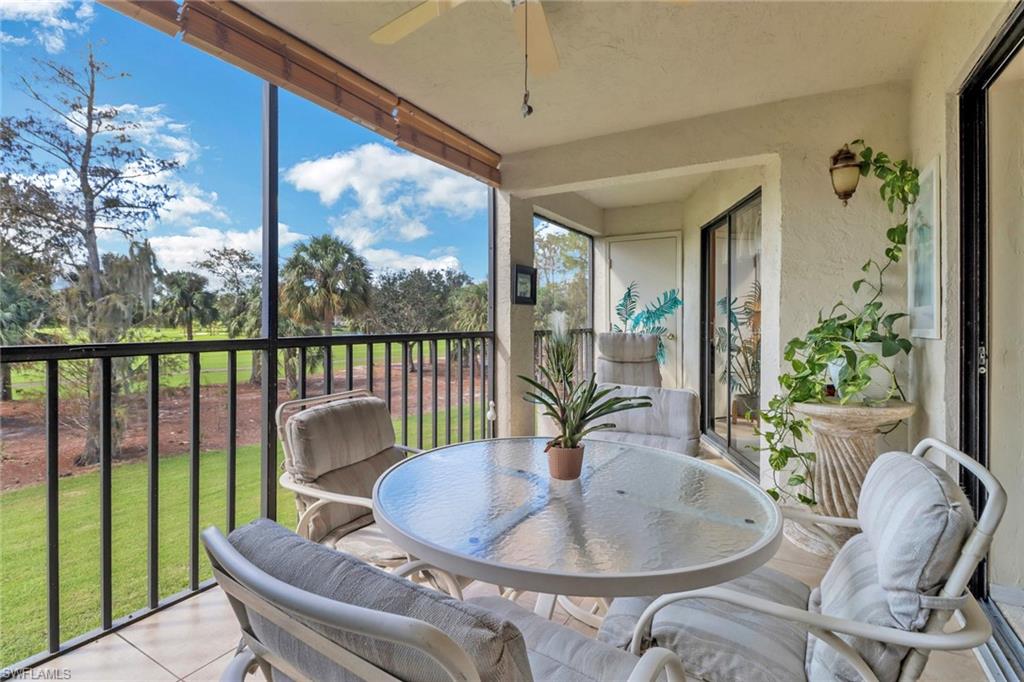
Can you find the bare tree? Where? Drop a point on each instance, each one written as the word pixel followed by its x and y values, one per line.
pixel 80 171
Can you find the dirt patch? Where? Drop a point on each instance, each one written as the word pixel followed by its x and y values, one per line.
pixel 23 424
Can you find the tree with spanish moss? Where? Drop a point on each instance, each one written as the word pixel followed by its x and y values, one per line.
pixel 79 173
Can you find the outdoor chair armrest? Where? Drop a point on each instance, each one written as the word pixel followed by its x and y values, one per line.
pixel 239 666
pixel 289 483
pixel 653 662
pixel 976 629
pixel 322 497
pixel 409 449
pixel 447 580
pixel 814 524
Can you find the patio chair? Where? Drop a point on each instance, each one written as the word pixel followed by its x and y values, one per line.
pixel 881 607
pixel 335 448
pixel 307 612
pixel 630 359
pixel 673 420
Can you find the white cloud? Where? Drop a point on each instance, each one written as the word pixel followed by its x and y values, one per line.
pixel 394 192
pixel 8 39
pixel 50 21
pixel 375 173
pixel 181 251
pixel 390 259
pixel 189 203
pixel 149 127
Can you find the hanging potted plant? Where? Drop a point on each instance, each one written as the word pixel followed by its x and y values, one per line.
pixel 574 408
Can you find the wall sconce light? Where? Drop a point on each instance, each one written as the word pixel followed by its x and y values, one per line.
pixel 845 171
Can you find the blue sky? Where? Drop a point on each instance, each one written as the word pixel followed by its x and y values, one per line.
pixel 398 209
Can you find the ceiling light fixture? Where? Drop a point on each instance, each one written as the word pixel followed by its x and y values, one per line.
pixel 527 109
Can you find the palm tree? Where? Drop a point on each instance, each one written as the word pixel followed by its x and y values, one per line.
pixel 469 308
pixel 323 279
pixel 186 301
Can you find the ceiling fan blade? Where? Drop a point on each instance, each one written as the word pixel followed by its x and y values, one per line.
pixel 416 18
pixel 543 57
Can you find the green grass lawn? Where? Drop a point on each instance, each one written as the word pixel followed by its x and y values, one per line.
pixel 28 378
pixel 23 578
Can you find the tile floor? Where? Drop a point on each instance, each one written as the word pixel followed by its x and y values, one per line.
pixel 194 640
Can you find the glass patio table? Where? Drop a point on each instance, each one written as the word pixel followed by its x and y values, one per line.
pixel 638 521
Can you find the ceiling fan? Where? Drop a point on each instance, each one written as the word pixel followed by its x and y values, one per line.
pixel 543 56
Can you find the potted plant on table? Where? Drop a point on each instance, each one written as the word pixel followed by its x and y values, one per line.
pixel 574 408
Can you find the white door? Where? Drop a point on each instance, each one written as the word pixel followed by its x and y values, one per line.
pixel 655 263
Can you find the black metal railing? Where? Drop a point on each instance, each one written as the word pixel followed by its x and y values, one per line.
pixel 453 375
pixel 584 341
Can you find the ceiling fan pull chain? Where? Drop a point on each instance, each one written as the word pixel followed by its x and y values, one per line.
pixel 527 109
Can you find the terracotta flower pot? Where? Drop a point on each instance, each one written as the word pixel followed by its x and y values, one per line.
pixel 565 464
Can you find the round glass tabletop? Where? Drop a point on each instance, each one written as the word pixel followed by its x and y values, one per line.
pixel 638 521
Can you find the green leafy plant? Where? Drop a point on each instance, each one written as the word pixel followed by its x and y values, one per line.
pixel 575 407
pixel 838 339
pixel 651 318
pixel 560 356
pixel 744 348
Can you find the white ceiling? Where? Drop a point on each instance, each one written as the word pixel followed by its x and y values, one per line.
pixel 624 65
pixel 644 192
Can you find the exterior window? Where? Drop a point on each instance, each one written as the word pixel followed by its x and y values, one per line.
pixel 564 260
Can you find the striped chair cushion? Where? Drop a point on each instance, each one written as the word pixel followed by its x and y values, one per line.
pixel 850 589
pixel 333 435
pixel 916 519
pixel 494 644
pixel 628 359
pixel 356 479
pixel 719 642
pixel 558 653
pixel 672 422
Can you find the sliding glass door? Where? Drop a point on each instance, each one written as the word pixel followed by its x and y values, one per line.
pixel 731 334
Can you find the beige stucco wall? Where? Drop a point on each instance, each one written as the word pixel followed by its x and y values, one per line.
pixel 513 324
pixel 812 246
pixel 712 197
pixel 960 33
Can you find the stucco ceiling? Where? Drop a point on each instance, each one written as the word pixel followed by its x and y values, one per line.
pixel 644 192
pixel 624 65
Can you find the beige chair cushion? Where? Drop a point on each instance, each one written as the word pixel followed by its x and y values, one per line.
pixel 628 359
pixel 672 422
pixel 364 539
pixel 495 645
pixel 558 653
pixel 916 518
pixel 334 435
pixel 720 642
pixel 356 479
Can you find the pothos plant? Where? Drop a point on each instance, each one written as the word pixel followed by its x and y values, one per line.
pixel 838 339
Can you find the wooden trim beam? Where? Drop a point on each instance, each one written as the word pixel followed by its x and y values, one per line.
pixel 240 37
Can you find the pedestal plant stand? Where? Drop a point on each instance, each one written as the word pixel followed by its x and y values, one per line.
pixel 845 439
